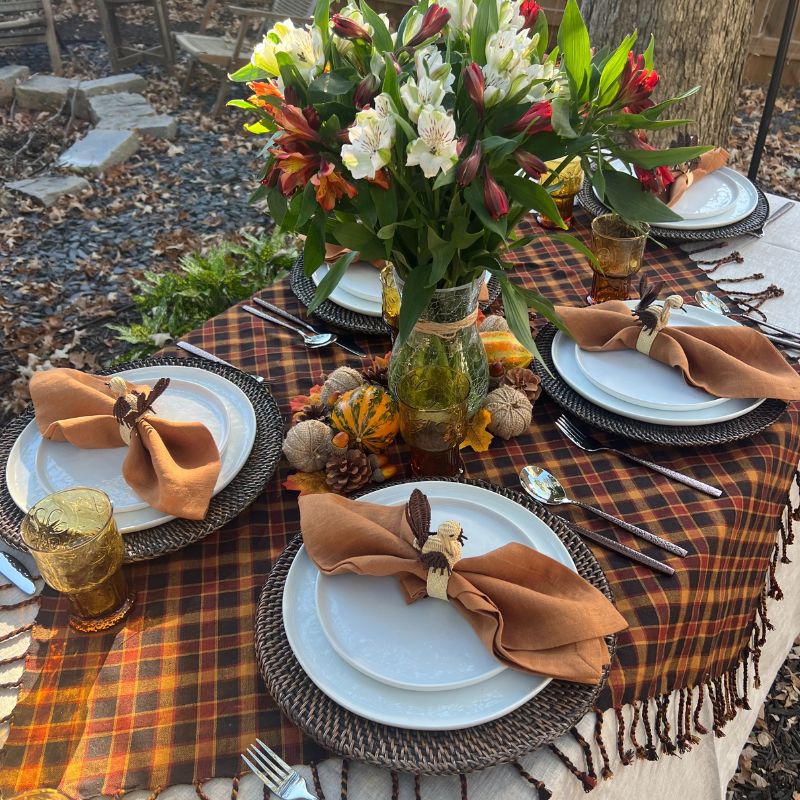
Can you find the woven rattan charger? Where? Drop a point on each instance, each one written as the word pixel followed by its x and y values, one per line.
pixel 536 723
pixel 224 506
pixel 304 289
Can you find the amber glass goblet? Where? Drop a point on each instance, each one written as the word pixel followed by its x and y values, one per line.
pixel 571 179
pixel 433 419
pixel 74 539
pixel 619 249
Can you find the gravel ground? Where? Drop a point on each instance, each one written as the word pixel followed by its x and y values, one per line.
pixel 69 270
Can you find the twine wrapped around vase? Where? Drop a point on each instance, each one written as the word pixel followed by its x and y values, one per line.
pixel 446 330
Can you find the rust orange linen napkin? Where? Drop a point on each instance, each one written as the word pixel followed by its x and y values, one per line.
pixel 531 612
pixel 708 162
pixel 726 361
pixel 173 466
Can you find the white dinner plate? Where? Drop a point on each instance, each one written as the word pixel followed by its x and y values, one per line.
pixel 635 378
pixel 564 352
pixel 343 298
pixel 363 280
pixel 26 489
pixel 408 708
pixel 701 197
pixel 60 465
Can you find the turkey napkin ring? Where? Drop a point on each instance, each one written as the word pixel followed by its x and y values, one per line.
pixel 653 319
pixel 132 405
pixel 439 551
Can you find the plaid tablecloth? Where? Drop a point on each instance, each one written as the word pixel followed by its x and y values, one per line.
pixel 175 696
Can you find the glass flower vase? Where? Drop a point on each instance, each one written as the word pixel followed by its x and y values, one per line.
pixel 446 335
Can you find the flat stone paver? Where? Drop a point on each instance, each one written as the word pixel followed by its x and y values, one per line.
pixel 129 82
pixel 43 93
pixel 48 189
pixel 99 150
pixel 10 76
pixel 126 111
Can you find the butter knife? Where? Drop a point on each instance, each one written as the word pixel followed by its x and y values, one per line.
pixel 16 572
pixel 622 549
pixel 343 341
pixel 200 353
pixel 779 213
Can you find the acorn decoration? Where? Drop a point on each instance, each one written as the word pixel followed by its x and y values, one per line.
pixel 348 472
pixel 494 322
pixel 510 410
pixel 496 373
pixel 524 381
pixel 307 445
pixel 341 380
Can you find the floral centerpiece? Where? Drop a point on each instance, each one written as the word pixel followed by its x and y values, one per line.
pixel 423 147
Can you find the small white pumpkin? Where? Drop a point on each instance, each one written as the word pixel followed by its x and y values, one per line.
pixel 341 380
pixel 494 322
pixel 307 445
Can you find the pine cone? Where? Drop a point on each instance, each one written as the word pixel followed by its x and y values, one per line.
pixel 525 381
pixel 377 371
pixel 347 473
pixel 311 411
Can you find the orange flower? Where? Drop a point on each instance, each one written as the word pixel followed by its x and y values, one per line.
pixel 381 179
pixel 296 169
pixel 330 186
pixel 263 89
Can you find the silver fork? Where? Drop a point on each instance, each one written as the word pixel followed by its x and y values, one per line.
pixel 585 441
pixel 275 773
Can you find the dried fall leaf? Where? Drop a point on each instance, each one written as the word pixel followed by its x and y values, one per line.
pixel 477 437
pixel 300 401
pixel 306 483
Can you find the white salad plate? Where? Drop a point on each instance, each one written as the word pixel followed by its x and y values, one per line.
pixel 363 280
pixel 632 385
pixel 490 521
pixel 721 198
pixel 200 396
pixel 343 298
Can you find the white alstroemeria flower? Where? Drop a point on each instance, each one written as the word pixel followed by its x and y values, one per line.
pixel 508 15
pixel 384 108
pixel 371 139
pixel 263 55
pixel 435 149
pixel 539 78
pixel 504 51
pixel 416 96
pixel 430 63
pixel 462 14
pixel 497 86
pixel 305 49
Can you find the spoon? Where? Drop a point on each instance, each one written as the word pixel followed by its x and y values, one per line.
pixel 711 302
pixel 312 341
pixel 544 487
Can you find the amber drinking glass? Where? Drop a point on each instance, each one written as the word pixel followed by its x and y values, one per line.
pixel 570 178
pixel 619 249
pixel 433 419
pixel 74 539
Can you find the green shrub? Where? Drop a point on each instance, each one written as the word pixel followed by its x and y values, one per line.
pixel 206 284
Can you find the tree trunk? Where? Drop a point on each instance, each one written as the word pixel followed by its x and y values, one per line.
pixel 698 42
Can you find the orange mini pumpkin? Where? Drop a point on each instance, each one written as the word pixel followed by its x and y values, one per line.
pixel 368 415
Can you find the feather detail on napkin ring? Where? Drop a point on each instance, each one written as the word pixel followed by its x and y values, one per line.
pixel 652 322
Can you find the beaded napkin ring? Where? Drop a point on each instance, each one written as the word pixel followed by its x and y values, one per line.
pixel 439 551
pixel 132 405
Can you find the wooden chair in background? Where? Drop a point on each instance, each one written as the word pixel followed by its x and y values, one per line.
pixel 24 22
pixel 123 55
pixel 220 54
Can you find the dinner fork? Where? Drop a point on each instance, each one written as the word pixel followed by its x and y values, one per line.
pixel 275 773
pixel 581 438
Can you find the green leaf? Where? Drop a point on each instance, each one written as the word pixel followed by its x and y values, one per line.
pixel 259 194
pixel 560 119
pixel 416 295
pixel 499 146
pixel 576 52
pixel 541 28
pixel 573 242
pixel 258 127
pixel 391 85
pixel 328 85
pixel 309 205
pixel 654 111
pixel 648 54
pixel 486 23
pixel 516 309
pixel 249 72
pixel 385 202
pixel 380 33
pixel 473 194
pixel 444 179
pixel 314 249
pixel 640 121
pixel 291 75
pixel 442 252
pixel 358 237
pixel 331 280
pixel 533 197
pixel 541 305
pixel 277 205
pixel 609 79
pixel 597 177
pixel 460 235
pixel 662 158
pixel 322 13
pixel 239 103
pixel 629 200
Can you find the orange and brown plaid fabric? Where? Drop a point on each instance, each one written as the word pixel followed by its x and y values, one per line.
pixel 174 696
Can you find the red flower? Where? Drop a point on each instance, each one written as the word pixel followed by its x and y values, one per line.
pixel 474 84
pixel 535 120
pixel 533 165
pixel 493 196
pixel 296 169
pixel 654 180
pixel 436 17
pixel 381 179
pixel 330 186
pixel 348 29
pixel 530 12
pixel 468 168
pixel 636 84
pixel 366 91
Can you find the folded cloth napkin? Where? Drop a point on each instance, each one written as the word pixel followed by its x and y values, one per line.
pixel 708 162
pixel 531 612
pixel 173 466
pixel 725 360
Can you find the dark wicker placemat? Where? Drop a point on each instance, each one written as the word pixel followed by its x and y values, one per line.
pixel 539 721
pixel 753 222
pixel 677 435
pixel 304 289
pixel 173 535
